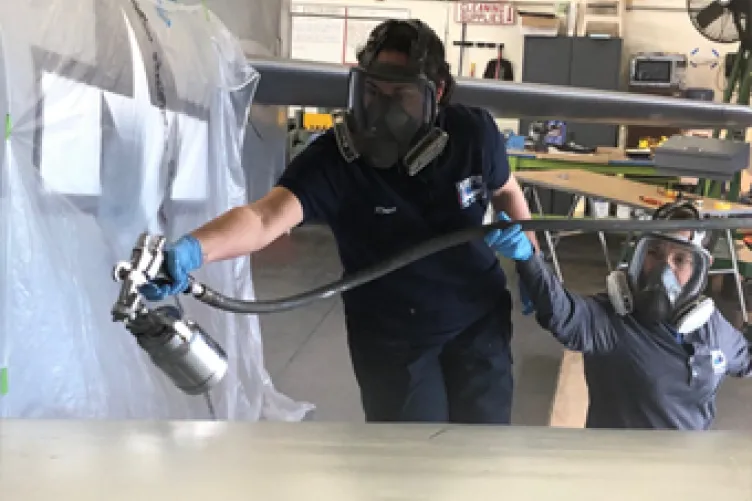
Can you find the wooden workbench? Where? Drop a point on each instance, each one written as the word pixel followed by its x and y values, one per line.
pixel 201 461
pixel 606 162
pixel 592 186
pixel 616 190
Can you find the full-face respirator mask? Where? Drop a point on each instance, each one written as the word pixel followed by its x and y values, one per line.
pixel 665 278
pixel 392 108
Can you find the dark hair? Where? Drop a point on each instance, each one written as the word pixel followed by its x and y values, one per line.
pixel 400 37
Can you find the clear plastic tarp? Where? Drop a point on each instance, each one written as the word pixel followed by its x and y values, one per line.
pixel 121 116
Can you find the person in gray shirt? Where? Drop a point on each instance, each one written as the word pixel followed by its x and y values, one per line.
pixel 655 349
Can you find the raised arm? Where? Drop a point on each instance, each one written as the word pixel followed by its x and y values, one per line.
pixel 580 323
pixel 506 193
pixel 510 199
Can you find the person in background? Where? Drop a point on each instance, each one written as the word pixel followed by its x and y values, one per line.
pixel 499 68
pixel 655 349
pixel 431 341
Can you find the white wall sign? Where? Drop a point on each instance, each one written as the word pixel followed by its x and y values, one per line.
pixel 360 22
pixel 378 13
pixel 332 33
pixel 318 39
pixel 309 9
pixel 485 13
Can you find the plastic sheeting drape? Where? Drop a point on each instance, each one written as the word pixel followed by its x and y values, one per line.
pixel 121 116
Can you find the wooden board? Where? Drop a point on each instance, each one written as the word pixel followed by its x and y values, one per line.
pixel 602 156
pixel 571 400
pixel 595 158
pixel 192 461
pixel 613 189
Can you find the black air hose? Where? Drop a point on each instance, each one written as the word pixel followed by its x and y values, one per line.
pixel 219 301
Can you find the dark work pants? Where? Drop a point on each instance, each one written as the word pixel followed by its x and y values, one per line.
pixel 465 379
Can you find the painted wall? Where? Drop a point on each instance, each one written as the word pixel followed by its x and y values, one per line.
pixel 672 31
pixel 651 25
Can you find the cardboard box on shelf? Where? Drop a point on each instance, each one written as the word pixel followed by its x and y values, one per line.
pixel 540 25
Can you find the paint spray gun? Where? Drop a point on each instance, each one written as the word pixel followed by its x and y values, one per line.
pixel 180 348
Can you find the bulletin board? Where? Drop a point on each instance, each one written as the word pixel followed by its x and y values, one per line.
pixel 334 33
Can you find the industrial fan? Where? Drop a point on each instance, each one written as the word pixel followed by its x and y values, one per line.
pixel 722 21
pixel 727 21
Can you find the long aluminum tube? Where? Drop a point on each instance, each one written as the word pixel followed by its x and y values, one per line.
pixel 303 83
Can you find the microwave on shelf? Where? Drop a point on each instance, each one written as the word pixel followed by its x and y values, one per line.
pixel 658 70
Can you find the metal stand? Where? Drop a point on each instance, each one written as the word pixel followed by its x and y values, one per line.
pixel 729 237
pixel 552 239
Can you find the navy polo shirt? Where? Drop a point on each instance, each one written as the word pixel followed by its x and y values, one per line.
pixel 375 214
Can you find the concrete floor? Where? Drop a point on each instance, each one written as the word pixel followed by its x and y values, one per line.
pixel 306 352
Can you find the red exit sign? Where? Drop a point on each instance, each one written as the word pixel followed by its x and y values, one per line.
pixel 485 13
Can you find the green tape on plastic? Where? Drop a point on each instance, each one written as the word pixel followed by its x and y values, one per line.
pixel 3 381
pixel 206 10
pixel 8 126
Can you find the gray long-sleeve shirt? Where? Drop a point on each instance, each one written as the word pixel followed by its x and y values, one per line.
pixel 638 375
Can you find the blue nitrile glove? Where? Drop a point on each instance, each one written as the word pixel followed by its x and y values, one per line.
pixel 181 258
pixel 512 243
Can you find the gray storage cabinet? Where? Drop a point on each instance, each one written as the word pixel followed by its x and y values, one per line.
pixel 579 62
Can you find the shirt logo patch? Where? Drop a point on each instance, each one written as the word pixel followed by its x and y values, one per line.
pixel 719 362
pixel 384 211
pixel 469 190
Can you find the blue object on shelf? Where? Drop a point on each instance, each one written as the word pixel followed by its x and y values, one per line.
pixel 515 142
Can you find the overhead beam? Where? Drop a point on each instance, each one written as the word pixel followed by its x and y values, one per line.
pixel 304 83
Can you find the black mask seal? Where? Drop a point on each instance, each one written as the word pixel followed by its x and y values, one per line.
pixel 392 109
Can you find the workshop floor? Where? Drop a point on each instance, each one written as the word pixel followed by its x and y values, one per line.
pixel 306 352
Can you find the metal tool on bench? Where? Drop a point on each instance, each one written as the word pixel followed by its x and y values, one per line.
pixel 180 348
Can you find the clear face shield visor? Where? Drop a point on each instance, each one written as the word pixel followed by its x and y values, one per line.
pixel 391 99
pixel 670 269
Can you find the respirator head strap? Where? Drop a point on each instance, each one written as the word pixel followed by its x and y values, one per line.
pixel 666 211
pixel 687 208
pixel 343 136
pixel 418 53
